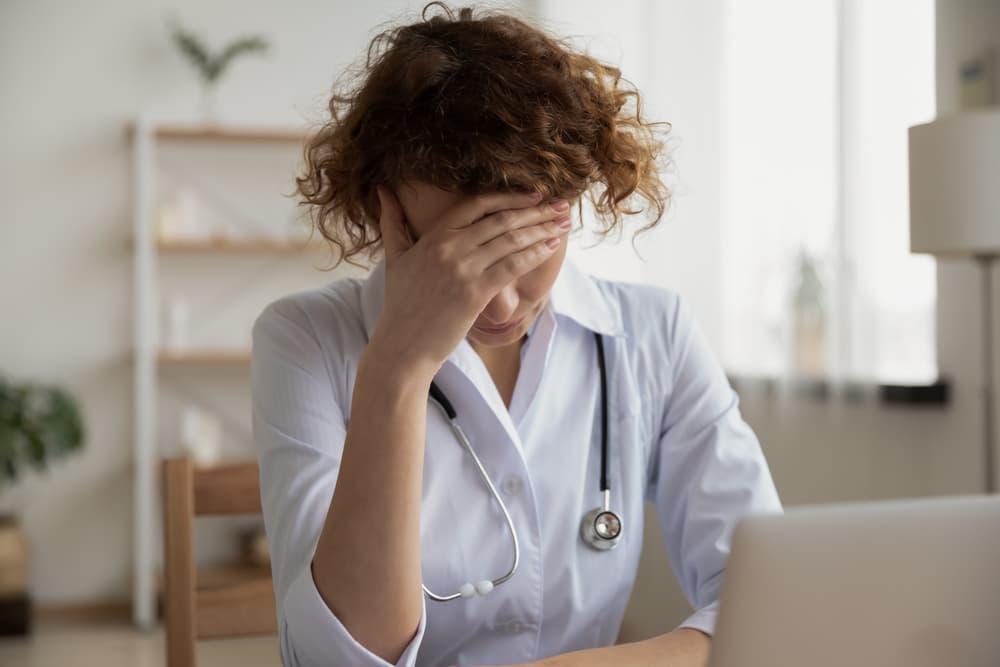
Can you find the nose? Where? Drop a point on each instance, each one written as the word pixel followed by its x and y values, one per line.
pixel 501 308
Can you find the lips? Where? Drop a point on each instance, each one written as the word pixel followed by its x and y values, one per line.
pixel 499 330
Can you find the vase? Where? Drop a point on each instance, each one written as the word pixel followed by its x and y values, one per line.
pixel 209 103
pixel 15 606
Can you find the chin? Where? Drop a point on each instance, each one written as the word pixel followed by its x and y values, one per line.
pixel 496 340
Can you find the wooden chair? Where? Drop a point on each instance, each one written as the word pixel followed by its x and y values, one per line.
pixel 192 610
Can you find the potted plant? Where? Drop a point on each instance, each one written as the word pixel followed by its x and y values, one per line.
pixel 38 424
pixel 212 65
pixel 809 319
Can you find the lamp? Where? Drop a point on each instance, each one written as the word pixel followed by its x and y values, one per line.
pixel 955 212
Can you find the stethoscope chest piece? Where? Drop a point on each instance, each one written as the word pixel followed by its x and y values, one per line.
pixel 601 528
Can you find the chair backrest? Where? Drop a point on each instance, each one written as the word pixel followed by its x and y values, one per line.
pixel 243 607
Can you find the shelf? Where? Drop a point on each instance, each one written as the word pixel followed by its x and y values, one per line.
pixel 240 246
pixel 204 358
pixel 230 133
pixel 248 246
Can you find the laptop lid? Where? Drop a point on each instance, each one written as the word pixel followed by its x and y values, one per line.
pixel 912 583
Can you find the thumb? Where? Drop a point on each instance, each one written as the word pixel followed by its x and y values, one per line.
pixel 395 237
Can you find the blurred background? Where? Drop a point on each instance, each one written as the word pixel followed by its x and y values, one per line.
pixel 146 221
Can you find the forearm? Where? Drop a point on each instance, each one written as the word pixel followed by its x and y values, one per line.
pixel 684 647
pixel 367 561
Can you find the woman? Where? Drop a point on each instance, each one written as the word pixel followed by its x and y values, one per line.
pixel 460 154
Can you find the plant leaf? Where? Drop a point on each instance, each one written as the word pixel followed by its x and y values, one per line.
pixel 194 50
pixel 250 44
pixel 37 425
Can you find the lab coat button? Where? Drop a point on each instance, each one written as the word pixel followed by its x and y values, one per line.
pixel 511 485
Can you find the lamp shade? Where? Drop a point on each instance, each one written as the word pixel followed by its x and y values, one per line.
pixel 955 184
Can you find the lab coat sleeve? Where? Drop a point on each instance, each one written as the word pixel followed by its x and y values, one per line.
pixel 707 468
pixel 299 430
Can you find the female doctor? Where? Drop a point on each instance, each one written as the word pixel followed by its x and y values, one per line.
pixel 456 450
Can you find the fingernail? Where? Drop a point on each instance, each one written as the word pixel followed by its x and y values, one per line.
pixel 553 242
pixel 565 223
pixel 560 205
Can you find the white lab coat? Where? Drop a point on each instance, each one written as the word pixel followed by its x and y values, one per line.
pixel 676 438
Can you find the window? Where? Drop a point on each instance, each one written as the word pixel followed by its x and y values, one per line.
pixel 817 276
pixel 789 229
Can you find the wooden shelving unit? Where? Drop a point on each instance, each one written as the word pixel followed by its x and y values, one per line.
pixel 147 139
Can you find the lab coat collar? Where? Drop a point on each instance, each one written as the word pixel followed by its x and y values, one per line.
pixel 574 295
pixel 577 296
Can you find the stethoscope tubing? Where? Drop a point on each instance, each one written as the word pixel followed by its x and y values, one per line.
pixel 588 530
pixel 446 408
pixel 604 412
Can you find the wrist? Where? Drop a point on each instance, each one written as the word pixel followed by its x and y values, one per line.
pixel 393 362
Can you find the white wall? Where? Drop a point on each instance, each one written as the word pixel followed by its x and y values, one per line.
pixel 74 75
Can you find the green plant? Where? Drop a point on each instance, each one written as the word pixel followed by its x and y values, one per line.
pixel 37 424
pixel 210 66
pixel 809 290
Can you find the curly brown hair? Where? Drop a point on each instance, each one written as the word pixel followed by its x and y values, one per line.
pixel 475 105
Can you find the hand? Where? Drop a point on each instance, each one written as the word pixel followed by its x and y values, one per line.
pixel 436 287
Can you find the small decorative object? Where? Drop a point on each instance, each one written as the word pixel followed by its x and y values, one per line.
pixel 201 435
pixel 15 604
pixel 222 230
pixel 255 551
pixel 809 320
pixel 211 67
pixel 37 424
pixel 177 218
pixel 977 79
pixel 178 324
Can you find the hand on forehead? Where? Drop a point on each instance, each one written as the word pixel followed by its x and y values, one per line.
pixel 425 204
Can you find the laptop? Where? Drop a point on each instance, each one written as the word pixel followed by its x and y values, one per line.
pixel 908 583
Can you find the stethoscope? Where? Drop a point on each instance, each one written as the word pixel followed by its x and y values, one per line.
pixel 601 528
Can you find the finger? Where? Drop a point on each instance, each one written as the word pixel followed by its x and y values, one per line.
pixel 520 238
pixel 513 266
pixel 507 221
pixel 392 224
pixel 471 209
